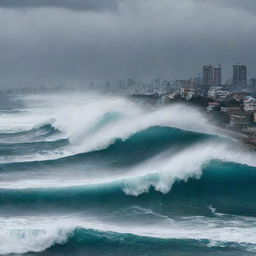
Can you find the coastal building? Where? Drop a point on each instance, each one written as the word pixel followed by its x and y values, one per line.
pixel 217 76
pixel 231 110
pixel 218 93
pixel 212 106
pixel 187 93
pixel 249 104
pixel 239 75
pixel 186 83
pixel 213 91
pixel 208 76
pixel 157 83
pixel 131 82
pixel 240 96
pixel 222 95
pixel 240 121
pixel 212 76
pixel 166 87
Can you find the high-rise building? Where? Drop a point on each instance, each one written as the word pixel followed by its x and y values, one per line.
pixel 211 76
pixel 239 75
pixel 253 83
pixel 131 82
pixel 157 83
pixel 208 76
pixel 217 76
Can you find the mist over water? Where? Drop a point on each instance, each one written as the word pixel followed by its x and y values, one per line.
pixel 83 174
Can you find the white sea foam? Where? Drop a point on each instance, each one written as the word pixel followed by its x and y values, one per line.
pixel 181 166
pixel 159 172
pixel 79 122
pixel 35 234
pixel 80 118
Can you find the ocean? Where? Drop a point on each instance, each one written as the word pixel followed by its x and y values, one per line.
pixel 84 174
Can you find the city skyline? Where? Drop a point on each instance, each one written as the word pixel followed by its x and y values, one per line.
pixel 104 40
pixel 215 73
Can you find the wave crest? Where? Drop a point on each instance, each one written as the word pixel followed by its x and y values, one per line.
pixel 26 234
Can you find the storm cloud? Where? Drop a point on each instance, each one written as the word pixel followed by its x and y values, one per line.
pixel 76 5
pixel 73 42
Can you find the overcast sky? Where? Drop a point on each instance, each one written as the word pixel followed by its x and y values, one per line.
pixel 50 42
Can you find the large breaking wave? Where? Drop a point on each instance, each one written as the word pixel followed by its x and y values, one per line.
pixel 73 232
pixel 92 124
pixel 110 165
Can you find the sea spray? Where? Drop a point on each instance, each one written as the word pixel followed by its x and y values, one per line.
pixel 88 170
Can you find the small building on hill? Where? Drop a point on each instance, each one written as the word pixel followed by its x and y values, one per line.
pixel 240 121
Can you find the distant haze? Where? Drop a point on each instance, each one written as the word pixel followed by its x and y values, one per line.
pixel 51 42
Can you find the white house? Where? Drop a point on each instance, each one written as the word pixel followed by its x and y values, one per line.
pixel 249 104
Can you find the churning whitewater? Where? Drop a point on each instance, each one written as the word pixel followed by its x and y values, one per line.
pixel 92 175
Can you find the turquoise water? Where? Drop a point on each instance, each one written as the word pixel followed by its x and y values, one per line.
pixel 121 180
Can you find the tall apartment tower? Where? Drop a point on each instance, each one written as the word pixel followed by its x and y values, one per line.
pixel 239 75
pixel 212 76
pixel 217 74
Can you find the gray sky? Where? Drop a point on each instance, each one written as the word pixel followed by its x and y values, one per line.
pixel 75 41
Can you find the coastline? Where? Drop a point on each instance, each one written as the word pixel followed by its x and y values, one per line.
pixel 248 141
